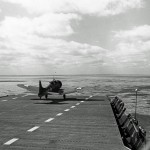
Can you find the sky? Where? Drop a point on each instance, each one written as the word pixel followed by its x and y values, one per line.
pixel 45 37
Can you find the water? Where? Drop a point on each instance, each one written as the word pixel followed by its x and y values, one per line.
pixel 122 86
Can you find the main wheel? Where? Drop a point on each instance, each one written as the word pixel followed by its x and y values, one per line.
pixel 46 96
pixel 64 96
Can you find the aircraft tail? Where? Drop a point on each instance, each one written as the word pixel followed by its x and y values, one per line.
pixel 41 89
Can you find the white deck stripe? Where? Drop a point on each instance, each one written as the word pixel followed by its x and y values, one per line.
pixel 11 141
pixel 59 114
pixel 50 119
pixel 15 98
pixel 91 96
pixel 78 104
pixel 66 109
pixel 82 101
pixel 127 148
pixel 4 100
pixel 33 129
pixel 72 106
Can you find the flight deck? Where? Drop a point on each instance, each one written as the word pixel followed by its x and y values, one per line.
pixel 79 123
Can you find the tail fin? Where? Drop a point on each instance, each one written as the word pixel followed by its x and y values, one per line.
pixel 41 89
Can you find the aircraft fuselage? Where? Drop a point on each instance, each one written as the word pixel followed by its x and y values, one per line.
pixel 54 86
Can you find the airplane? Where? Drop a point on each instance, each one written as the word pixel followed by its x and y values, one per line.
pixel 54 88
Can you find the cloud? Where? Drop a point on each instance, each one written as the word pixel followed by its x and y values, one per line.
pixel 84 50
pixel 137 38
pixel 137 33
pixel 58 54
pixel 55 24
pixel 132 48
pixel 45 25
pixel 90 7
pixel 24 44
pixel 35 43
pixel 106 7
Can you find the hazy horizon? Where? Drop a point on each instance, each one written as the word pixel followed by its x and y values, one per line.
pixel 53 75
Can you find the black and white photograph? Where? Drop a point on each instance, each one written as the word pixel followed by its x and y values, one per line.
pixel 74 74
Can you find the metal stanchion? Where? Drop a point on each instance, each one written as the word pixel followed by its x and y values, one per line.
pixel 136 90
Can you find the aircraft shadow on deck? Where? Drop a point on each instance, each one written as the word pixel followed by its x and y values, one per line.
pixel 52 103
pixel 58 99
pixel 67 99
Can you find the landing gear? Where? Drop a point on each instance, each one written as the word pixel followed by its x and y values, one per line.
pixel 64 96
pixel 46 96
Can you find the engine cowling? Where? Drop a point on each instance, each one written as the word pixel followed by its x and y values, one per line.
pixel 56 85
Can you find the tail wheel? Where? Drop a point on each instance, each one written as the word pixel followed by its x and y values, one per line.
pixel 64 96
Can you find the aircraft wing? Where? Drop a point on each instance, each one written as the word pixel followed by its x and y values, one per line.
pixel 72 90
pixel 30 88
pixel 65 91
pixel 52 93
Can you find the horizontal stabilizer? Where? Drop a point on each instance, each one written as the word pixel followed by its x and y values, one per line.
pixel 30 88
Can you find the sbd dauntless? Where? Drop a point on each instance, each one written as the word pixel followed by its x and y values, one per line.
pixel 54 88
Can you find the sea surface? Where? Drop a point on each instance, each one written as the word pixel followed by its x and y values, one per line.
pixel 112 85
